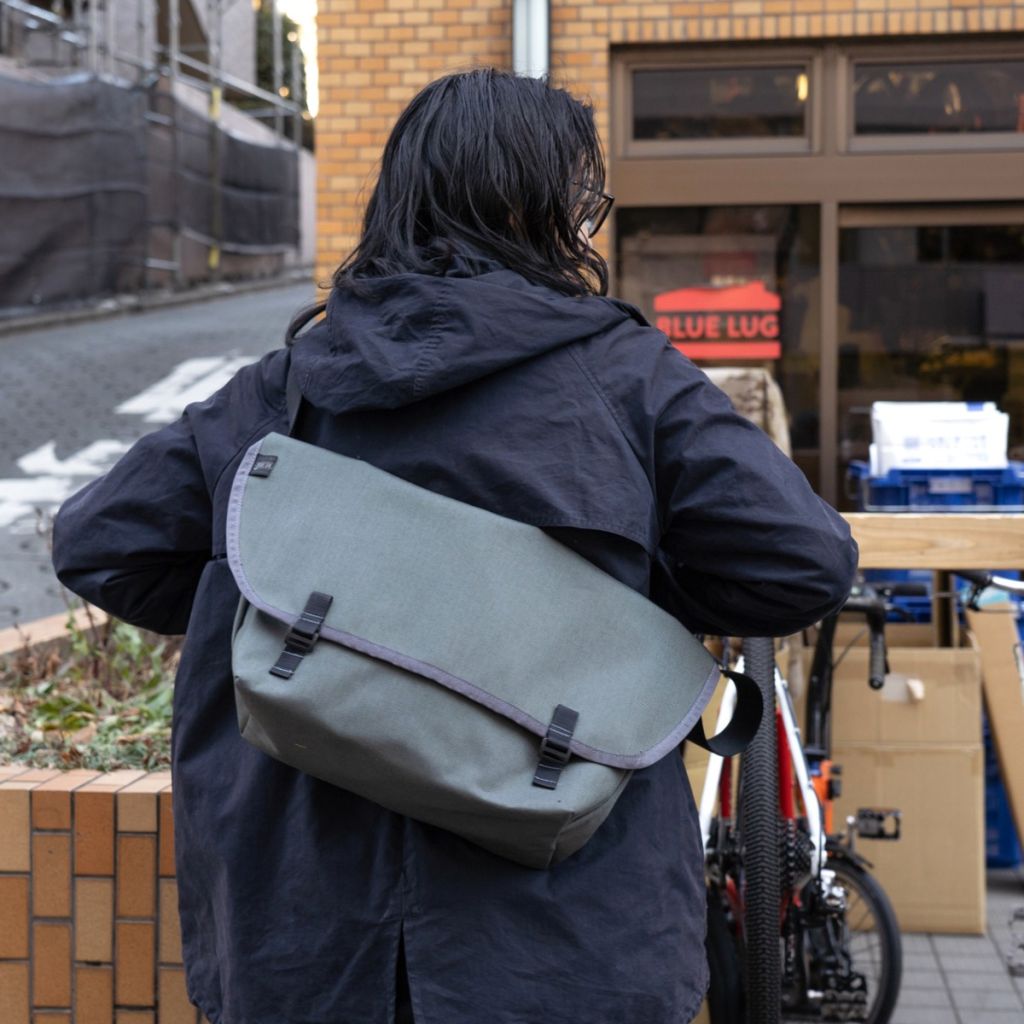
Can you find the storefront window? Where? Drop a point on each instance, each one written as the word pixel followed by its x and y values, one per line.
pixel 734 286
pixel 952 97
pixel 929 314
pixel 720 102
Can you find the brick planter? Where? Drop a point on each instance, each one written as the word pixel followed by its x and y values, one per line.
pixel 88 900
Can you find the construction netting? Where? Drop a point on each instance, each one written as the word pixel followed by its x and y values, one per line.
pixel 98 178
pixel 72 189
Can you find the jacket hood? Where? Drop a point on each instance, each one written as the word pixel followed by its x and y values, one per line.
pixel 408 337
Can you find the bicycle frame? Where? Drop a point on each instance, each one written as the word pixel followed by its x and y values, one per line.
pixel 792 765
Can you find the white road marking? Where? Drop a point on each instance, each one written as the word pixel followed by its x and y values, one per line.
pixel 49 480
pixel 190 381
pixel 19 499
pixel 92 460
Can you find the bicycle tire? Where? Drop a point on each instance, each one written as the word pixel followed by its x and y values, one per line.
pixel 758 826
pixel 873 936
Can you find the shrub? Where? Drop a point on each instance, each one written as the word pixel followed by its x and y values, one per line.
pixel 100 699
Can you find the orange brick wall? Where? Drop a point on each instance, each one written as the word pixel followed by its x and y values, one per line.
pixel 375 54
pixel 88 901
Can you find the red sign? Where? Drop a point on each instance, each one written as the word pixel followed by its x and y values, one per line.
pixel 736 322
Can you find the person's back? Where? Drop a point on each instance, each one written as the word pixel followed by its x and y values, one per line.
pixel 466 348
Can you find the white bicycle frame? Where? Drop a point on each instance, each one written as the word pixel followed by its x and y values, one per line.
pixel 808 795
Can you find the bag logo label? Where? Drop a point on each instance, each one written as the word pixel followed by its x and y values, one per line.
pixel 263 465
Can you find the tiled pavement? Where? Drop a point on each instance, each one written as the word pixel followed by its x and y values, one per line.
pixel 963 979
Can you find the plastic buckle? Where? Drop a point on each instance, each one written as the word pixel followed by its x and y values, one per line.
pixel 303 635
pixel 556 747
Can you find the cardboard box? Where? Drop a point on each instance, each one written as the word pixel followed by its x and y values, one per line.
pixel 916 746
pixel 995 629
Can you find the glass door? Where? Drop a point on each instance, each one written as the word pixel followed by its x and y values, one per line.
pixel 930 308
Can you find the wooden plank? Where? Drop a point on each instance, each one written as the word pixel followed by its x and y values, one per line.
pixel 938 541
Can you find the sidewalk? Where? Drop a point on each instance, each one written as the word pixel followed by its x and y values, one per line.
pixel 962 979
pixel 143 301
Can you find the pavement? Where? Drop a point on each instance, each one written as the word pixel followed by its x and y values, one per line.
pixel 963 979
pixel 78 391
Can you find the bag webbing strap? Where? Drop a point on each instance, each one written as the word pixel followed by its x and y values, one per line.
pixel 746 718
pixel 293 400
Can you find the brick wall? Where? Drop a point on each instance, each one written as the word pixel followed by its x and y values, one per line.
pixel 374 55
pixel 88 901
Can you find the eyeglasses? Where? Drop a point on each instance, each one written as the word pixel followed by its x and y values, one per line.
pixel 593 220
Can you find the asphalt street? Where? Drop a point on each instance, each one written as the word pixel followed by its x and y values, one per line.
pixel 73 398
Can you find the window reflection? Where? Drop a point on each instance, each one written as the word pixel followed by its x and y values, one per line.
pixel 929 314
pixel 954 97
pixel 734 286
pixel 720 103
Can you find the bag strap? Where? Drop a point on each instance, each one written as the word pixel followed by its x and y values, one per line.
pixel 746 719
pixel 293 396
pixel 293 401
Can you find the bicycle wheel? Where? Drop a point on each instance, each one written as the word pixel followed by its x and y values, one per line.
pixel 872 937
pixel 758 828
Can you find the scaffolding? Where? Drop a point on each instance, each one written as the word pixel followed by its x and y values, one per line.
pixel 139 43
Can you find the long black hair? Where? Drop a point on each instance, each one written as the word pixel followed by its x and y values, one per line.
pixel 505 165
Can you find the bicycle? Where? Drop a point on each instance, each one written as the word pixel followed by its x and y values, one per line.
pixel 798 929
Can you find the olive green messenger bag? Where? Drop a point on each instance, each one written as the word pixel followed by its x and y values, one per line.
pixel 453 665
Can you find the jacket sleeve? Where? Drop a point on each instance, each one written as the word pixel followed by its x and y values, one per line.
pixel 747 547
pixel 135 541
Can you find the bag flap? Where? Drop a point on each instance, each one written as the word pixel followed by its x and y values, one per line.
pixel 491 608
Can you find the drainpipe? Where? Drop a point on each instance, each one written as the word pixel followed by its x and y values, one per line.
pixel 531 37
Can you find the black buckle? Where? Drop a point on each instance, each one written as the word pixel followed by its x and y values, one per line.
pixel 555 748
pixel 304 633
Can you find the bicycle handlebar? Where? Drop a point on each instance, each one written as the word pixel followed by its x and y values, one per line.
pixel 873 607
pixel 982 579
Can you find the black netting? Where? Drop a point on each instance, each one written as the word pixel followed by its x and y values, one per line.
pixel 72 189
pixel 89 187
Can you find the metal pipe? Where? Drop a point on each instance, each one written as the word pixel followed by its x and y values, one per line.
pixel 216 38
pixel 140 31
pixel 94 29
pixel 531 38
pixel 297 90
pixel 233 82
pixel 108 33
pixel 275 60
pixel 173 56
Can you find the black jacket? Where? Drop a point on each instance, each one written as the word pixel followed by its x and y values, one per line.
pixel 571 414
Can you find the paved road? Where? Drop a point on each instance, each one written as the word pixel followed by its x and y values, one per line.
pixel 73 398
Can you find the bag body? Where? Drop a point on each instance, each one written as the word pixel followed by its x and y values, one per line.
pixel 448 663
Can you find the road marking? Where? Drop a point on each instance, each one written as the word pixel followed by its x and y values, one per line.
pixel 92 460
pixel 49 480
pixel 190 381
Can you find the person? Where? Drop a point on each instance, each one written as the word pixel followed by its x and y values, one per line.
pixel 469 347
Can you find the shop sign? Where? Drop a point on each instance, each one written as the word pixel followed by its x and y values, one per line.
pixel 734 322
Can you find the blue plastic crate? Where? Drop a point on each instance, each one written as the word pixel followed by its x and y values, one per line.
pixel 938 490
pixel 1002 847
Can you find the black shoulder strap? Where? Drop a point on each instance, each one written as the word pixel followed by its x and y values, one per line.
pixel 735 737
pixel 293 396
pixel 293 400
